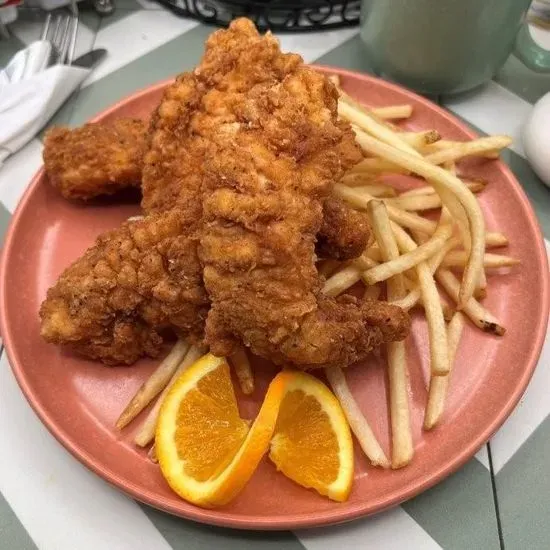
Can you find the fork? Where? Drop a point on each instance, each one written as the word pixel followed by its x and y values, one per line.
pixel 60 29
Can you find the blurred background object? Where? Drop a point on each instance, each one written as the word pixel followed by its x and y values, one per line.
pixel 8 14
pixel 449 46
pixel 276 15
pixel 9 9
pixel 539 13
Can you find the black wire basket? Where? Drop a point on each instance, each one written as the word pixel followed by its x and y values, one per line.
pixel 275 15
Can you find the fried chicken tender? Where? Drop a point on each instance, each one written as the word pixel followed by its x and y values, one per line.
pixel 114 303
pixel 242 154
pixel 269 168
pixel 95 159
pixel 173 169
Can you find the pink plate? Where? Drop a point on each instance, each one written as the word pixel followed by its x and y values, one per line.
pixel 79 400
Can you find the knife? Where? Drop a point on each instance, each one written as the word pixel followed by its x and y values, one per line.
pixel 90 59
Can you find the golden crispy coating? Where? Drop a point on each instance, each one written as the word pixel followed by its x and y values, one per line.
pixel 242 155
pixel 96 159
pixel 270 166
pixel 344 233
pixel 114 303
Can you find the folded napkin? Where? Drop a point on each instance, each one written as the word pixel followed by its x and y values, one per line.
pixel 27 105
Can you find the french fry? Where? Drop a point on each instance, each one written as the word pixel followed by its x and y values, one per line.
pixel 377 166
pixel 367 124
pixel 372 293
pixel 152 454
pixel 463 225
pixel 393 111
pixel 458 258
pixel 439 359
pixel 357 179
pixel 450 165
pixel 411 258
pixel 146 433
pixel 440 384
pixel 419 140
pixel 409 220
pixel 357 421
pixel 154 384
pixel 444 182
pixel 373 253
pixel 380 190
pixel 444 144
pixel 363 262
pixel 402 445
pixel 371 186
pixel 347 277
pixel 495 240
pixel 458 150
pixel 475 186
pixel 473 309
pixel 243 370
pixel 357 199
pixel 389 251
pixel 390 112
pixel 416 202
pixel 360 108
pixel 412 298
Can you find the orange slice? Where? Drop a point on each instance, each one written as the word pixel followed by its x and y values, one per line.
pixel 205 450
pixel 207 453
pixel 312 443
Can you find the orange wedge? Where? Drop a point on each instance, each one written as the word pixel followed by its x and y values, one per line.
pixel 207 453
pixel 312 443
pixel 205 450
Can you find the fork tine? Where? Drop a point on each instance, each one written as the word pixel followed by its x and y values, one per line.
pixel 55 40
pixel 74 31
pixel 65 40
pixel 46 27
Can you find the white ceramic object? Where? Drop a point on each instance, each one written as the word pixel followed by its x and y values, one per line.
pixel 536 138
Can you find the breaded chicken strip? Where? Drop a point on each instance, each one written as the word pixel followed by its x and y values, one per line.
pixel 95 159
pixel 191 111
pixel 270 166
pixel 114 303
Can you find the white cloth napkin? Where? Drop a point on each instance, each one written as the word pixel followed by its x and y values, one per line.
pixel 27 105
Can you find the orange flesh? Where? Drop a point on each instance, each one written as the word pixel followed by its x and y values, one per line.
pixel 304 446
pixel 209 430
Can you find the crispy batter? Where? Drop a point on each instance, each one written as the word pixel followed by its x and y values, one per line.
pixel 96 159
pixel 270 166
pixel 243 152
pixel 344 233
pixel 114 302
pixel 173 168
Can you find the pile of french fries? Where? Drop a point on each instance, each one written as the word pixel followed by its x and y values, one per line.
pixel 414 256
pixel 411 259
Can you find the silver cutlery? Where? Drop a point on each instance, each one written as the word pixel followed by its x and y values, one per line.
pixel 60 29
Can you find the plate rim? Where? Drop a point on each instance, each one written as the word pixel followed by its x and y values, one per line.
pixel 310 519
